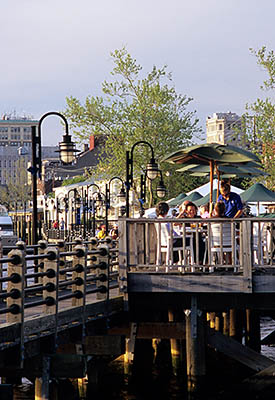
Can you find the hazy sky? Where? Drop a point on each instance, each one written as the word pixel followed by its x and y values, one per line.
pixel 51 49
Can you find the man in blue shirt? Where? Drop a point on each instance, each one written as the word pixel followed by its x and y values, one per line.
pixel 232 201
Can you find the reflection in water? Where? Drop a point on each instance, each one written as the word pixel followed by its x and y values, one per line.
pixel 162 385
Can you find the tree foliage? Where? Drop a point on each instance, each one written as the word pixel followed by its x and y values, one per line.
pixel 17 191
pixel 259 120
pixel 135 107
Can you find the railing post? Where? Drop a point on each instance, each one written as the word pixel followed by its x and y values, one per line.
pixel 246 255
pixel 102 272
pixel 122 258
pixel 51 281
pixel 62 260
pixel 16 301
pixel 79 262
pixel 16 287
pixel 43 244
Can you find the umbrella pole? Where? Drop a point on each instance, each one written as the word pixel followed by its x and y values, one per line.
pixel 218 183
pixel 211 186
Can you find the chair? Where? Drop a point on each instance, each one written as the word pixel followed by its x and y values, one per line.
pixel 164 244
pixel 259 242
pixel 220 247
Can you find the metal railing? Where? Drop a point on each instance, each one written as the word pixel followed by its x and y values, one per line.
pixel 50 278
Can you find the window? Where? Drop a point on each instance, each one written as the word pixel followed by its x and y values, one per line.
pixel 220 127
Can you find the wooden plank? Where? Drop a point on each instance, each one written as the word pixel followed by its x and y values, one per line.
pixel 110 345
pixel 38 323
pixel 264 283
pixel 237 351
pixel 269 339
pixel 146 282
pixel 261 381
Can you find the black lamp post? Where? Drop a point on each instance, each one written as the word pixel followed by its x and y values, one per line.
pixel 121 195
pixel 92 204
pixel 67 204
pixel 151 170
pixel 67 154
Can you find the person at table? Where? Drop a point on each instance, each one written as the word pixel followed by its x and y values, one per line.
pixel 191 211
pixel 219 210
pixel 204 211
pixel 162 209
pixel 232 201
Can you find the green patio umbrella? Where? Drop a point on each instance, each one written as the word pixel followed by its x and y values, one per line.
pixel 213 155
pixel 230 171
pixel 205 199
pixel 258 193
pixel 193 197
pixel 177 200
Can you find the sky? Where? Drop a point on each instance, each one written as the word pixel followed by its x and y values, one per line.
pixel 52 49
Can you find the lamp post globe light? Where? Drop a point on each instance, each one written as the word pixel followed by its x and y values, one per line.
pixel 67 154
pixel 161 190
pixel 151 169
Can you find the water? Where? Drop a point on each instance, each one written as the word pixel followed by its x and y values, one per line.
pixel 161 385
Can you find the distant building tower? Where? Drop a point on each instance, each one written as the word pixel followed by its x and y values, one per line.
pixel 224 128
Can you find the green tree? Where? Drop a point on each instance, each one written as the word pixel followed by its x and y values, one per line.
pixel 259 120
pixel 17 191
pixel 135 107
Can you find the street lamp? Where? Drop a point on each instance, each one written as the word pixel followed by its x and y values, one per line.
pixel 67 154
pixel 161 190
pixel 67 205
pixel 96 204
pixel 151 170
pixel 121 196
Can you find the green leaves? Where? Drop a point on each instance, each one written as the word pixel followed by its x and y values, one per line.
pixel 259 121
pixel 134 106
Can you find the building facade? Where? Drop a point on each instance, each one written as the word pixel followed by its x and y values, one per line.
pixel 224 128
pixel 16 149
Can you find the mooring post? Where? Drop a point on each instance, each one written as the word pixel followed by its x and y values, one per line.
pixel 195 347
pixel 176 347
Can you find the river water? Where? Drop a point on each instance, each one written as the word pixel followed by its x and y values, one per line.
pixel 162 384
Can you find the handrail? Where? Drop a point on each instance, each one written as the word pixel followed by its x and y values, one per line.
pixel 60 276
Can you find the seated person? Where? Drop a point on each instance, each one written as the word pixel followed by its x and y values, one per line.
pixel 204 211
pixel 219 210
pixel 102 233
pixel 162 209
pixel 191 212
pixel 114 232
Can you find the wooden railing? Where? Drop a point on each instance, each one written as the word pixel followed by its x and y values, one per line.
pixel 205 245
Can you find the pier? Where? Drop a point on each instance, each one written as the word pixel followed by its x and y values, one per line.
pixel 69 307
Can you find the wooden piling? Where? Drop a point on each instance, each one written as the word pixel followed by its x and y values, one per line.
pixel 236 324
pixel 42 384
pixel 253 330
pixel 195 348
pixel 176 347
